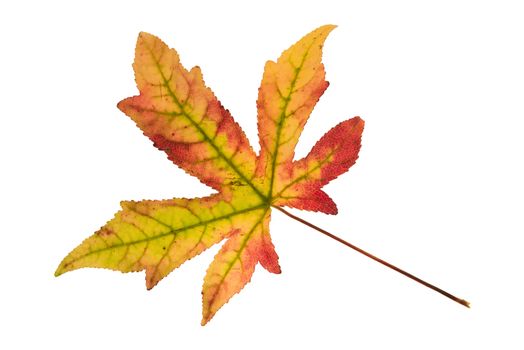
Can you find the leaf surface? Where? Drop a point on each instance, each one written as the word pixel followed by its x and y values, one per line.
pixel 183 118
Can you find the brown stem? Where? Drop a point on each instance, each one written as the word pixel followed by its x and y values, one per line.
pixel 385 263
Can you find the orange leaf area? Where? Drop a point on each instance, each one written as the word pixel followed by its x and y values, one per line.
pixel 183 118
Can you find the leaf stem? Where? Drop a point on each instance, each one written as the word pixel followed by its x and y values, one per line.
pixel 385 263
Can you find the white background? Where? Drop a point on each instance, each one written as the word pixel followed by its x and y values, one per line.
pixel 438 188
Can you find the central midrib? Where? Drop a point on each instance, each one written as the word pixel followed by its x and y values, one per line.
pixel 281 122
pixel 238 253
pixel 171 232
pixel 203 133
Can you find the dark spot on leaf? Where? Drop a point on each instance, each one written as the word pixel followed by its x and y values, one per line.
pixel 104 232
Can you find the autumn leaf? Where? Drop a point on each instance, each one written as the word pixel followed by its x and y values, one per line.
pixel 183 118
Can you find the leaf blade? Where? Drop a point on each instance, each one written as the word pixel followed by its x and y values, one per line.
pixel 289 90
pixel 158 236
pixel 182 117
pixel 331 156
pixel 235 263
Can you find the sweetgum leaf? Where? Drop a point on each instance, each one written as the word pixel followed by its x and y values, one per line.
pixel 183 118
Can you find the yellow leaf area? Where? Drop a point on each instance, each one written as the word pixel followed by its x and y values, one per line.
pixel 183 118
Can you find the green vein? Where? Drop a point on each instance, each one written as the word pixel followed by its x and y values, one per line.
pixel 171 232
pixel 238 253
pixel 282 117
pixel 202 132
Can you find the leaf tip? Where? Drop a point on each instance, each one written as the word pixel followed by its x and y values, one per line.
pixel 152 278
pixel 61 269
pixel 359 121
pixel 58 271
pixel 144 38
pixel 325 30
pixel 207 315
pixel 144 35
pixel 328 27
pixel 120 105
